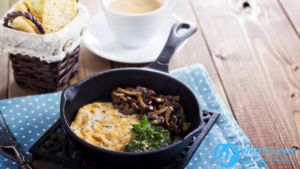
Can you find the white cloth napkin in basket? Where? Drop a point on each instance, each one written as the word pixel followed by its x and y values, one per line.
pixel 48 47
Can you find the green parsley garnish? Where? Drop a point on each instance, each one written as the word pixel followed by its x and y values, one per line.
pixel 144 128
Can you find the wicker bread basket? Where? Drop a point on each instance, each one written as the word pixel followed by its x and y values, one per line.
pixel 40 75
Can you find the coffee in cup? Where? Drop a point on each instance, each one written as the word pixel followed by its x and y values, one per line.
pixel 135 6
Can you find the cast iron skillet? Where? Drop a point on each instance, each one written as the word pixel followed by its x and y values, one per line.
pixel 155 76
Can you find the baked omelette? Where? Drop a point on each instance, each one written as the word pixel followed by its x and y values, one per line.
pixel 104 126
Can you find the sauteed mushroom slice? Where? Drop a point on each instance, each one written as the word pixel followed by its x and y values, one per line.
pixel 143 90
pixel 120 95
pixel 161 109
pixel 124 107
pixel 120 90
pixel 148 102
pixel 159 121
pixel 130 99
pixel 186 126
pixel 126 110
pixel 173 120
pixel 134 106
pixel 179 112
pixel 141 116
pixel 160 106
pixel 159 112
pixel 182 119
pixel 150 93
pixel 116 101
pixel 175 98
pixel 140 100
pixel 153 117
pixel 175 105
pixel 130 89
pixel 173 127
pixel 175 139
pixel 167 103
pixel 167 115
pixel 158 100
pixel 149 108
pixel 143 111
pixel 130 111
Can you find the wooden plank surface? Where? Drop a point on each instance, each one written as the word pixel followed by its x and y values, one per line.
pixel 4 6
pixel 254 48
pixel 297 121
pixel 196 50
pixel 292 9
pixel 12 2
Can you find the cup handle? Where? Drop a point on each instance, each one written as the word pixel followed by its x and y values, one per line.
pixel 174 41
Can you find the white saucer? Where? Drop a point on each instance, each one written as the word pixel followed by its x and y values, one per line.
pixel 100 40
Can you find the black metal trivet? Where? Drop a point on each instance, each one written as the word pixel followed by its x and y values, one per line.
pixel 55 146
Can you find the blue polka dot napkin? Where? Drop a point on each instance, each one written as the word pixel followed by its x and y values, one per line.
pixel 30 117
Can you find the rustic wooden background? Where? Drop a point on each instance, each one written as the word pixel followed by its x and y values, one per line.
pixel 251 50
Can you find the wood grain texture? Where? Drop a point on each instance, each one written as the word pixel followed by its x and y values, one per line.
pixel 12 2
pixel 38 165
pixel 195 51
pixel 4 6
pixel 255 50
pixel 292 9
pixel 297 121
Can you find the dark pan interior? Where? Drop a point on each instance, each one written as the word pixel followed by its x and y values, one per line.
pixel 98 87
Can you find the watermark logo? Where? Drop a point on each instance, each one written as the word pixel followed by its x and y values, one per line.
pixel 225 148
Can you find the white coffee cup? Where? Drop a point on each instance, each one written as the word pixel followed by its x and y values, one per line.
pixel 136 30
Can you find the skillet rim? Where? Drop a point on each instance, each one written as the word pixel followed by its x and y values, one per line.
pixel 74 136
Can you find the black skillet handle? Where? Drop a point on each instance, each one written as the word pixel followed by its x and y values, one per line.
pixel 174 41
pixel 24 165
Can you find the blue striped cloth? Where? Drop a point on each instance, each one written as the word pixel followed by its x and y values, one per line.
pixel 30 117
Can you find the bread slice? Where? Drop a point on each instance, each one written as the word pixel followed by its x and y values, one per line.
pixel 36 8
pixel 53 14
pixel 21 23
pixel 25 25
pixel 21 6
pixel 58 13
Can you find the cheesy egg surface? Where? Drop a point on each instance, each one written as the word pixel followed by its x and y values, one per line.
pixel 104 126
